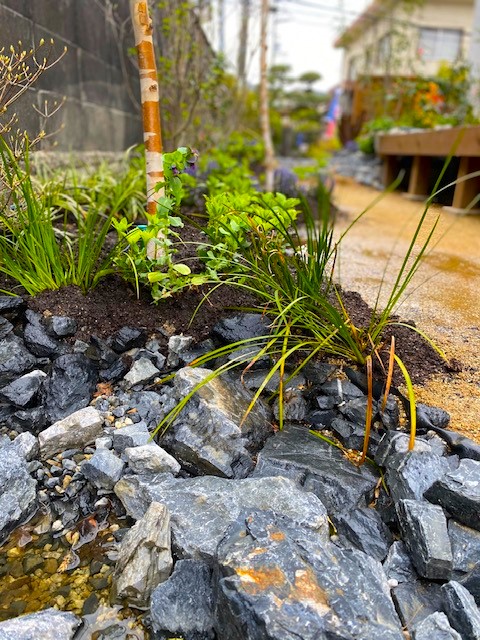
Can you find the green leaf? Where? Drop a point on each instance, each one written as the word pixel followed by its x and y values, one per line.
pixel 182 269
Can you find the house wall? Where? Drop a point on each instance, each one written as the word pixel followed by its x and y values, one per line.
pixel 363 50
pixel 99 82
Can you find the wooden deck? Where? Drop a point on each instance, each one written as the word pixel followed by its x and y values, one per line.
pixel 462 142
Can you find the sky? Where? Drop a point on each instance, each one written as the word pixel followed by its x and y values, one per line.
pixel 302 33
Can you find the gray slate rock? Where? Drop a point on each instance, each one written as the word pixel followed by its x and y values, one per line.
pixel 144 557
pixel 317 466
pixel 465 546
pixel 277 580
pixel 424 529
pixel 38 341
pixel 213 503
pixel 471 581
pixel 60 326
pixel 398 564
pixel 12 305
pixel 33 419
pixel 415 473
pixel 127 338
pixel 26 446
pixel 241 327
pixel 183 605
pixel 431 417
pixel 150 458
pixel 142 371
pixel 366 531
pixel 209 435
pixel 74 432
pixel 461 610
pixel 294 406
pixel 460 445
pixel 103 469
pixel 17 491
pixel 133 435
pixel 15 359
pixel 49 624
pixel 70 387
pixel 435 627
pixel 417 600
pixel 6 327
pixel 24 390
pixel 459 493
pixel 177 345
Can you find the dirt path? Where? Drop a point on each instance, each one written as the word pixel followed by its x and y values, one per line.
pixel 443 298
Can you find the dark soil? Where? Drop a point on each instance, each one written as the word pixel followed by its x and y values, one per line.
pixel 113 304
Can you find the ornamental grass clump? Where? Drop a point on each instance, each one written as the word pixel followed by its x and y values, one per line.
pixel 290 271
pixel 39 250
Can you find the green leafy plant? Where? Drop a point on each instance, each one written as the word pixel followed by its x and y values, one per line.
pixel 35 249
pixel 157 269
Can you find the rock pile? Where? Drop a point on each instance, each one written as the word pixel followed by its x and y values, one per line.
pixel 364 168
pixel 236 532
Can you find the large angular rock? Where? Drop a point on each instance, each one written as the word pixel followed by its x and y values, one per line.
pixel 38 341
pixel 60 326
pixel 49 624
pixel 183 605
pixel 366 531
pixel 74 432
pixel 277 580
pixel 460 445
pixel 465 546
pixel 318 467
pixel 398 564
pixel 17 491
pixel 24 390
pixel 435 627
pixel 424 529
pixel 6 327
pixel 15 359
pixel 461 610
pixel 202 509
pixel 212 435
pixel 144 558
pixel 459 493
pixel 12 305
pixel 471 581
pixel 71 385
pixel 416 473
pixel 417 600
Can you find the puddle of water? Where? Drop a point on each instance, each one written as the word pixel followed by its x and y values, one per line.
pixel 71 573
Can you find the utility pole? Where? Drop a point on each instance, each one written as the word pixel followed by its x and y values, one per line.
pixel 221 26
pixel 474 60
pixel 243 43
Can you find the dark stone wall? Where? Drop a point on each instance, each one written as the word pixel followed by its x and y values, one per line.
pixel 96 75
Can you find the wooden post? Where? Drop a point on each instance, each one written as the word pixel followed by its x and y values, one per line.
pixel 419 183
pixel 152 132
pixel 389 170
pixel 467 190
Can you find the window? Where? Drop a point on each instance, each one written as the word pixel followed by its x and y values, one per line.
pixel 439 44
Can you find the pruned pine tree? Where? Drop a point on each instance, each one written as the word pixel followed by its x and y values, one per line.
pixel 152 132
pixel 264 109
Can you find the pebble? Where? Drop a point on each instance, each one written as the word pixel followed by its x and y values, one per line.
pixel 57 526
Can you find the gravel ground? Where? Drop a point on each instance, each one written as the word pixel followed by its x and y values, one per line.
pixel 443 297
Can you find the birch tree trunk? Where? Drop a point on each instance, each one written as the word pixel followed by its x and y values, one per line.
pixel 264 110
pixel 152 131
